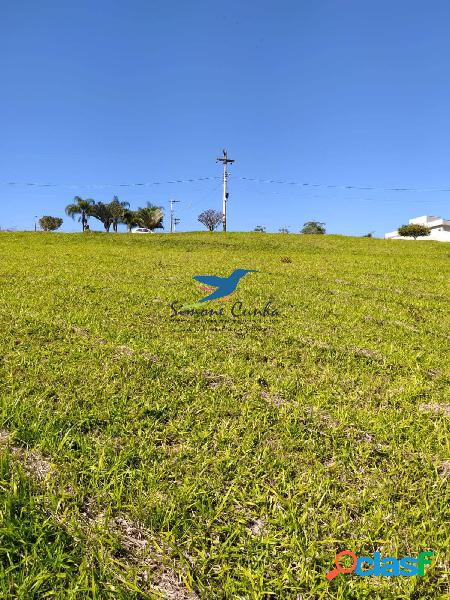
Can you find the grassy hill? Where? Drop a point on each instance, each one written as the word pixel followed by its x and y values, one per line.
pixel 145 455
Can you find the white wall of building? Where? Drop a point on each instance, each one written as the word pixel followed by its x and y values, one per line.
pixel 440 229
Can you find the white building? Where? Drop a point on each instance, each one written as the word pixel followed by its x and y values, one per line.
pixel 440 229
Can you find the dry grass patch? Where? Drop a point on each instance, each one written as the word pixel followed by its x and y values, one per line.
pixel 214 380
pixel 444 469
pixel 434 407
pixel 257 526
pixel 275 399
pixel 35 464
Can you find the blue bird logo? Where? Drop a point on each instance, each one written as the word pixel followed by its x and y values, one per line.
pixel 225 285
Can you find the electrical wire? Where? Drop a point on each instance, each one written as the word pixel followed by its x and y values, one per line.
pixel 282 182
pixel 104 185
pixel 342 187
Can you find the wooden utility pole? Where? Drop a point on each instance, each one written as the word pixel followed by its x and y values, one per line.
pixel 225 161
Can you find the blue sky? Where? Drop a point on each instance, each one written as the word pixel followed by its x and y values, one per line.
pixel 344 93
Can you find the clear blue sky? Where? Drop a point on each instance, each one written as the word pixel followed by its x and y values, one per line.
pixel 337 92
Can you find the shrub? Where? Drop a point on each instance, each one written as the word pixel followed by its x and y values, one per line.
pixel 313 227
pixel 48 223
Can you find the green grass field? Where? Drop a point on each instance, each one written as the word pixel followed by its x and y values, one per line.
pixel 144 456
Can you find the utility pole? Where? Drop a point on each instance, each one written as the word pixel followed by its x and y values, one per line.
pixel 172 221
pixel 35 222
pixel 225 161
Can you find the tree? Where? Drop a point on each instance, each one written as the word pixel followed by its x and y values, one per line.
pixel 103 213
pixel 81 207
pixel 50 223
pixel 283 230
pixel 210 218
pixel 150 217
pixel 260 229
pixel 313 227
pixel 117 209
pixel 130 218
pixel 414 230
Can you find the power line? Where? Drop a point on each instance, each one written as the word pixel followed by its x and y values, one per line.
pixel 103 185
pixel 191 205
pixel 215 178
pixel 343 187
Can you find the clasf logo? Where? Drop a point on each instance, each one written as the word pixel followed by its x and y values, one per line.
pixel 377 566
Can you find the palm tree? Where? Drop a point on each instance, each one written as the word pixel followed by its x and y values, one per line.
pixel 80 207
pixel 150 216
pixel 130 218
pixel 117 210
pixel 103 213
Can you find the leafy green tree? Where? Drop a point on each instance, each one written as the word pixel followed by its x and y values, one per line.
pixel 414 231
pixel 48 223
pixel 117 209
pixel 81 207
pixel 150 216
pixel 260 229
pixel 103 213
pixel 283 230
pixel 210 218
pixel 313 227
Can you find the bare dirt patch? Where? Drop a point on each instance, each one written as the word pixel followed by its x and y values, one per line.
pixel 434 407
pixel 444 469
pixel 367 353
pixel 256 526
pixel 36 465
pixel 275 399
pixel 4 437
pixel 124 351
pixel 215 380
pixel 151 558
